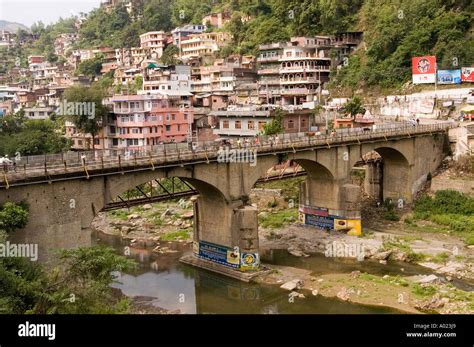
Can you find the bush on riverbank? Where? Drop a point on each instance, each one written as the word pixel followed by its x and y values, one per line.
pixel 450 209
pixel 79 285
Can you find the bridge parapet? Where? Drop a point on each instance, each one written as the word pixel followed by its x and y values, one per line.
pixel 53 167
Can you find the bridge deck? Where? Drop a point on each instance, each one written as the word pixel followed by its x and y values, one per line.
pixel 58 167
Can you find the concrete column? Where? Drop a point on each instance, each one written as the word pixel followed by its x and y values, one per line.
pixel 330 204
pixel 373 180
pixel 226 234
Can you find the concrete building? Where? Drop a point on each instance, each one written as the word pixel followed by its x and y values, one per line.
pixel 182 33
pixel 197 45
pixel 39 112
pixel 6 38
pixel 151 119
pixel 216 85
pixel 153 44
pixel 63 42
pixel 240 121
pixel 294 73
pixel 216 19
pixel 167 78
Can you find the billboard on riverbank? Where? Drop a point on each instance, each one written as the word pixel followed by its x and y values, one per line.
pixel 449 76
pixel 467 74
pixel 424 69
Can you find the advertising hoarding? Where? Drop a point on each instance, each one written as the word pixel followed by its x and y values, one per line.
pixel 449 76
pixel 424 69
pixel 467 74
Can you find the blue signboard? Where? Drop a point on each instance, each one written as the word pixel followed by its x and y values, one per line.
pixel 449 76
pixel 219 254
pixel 323 222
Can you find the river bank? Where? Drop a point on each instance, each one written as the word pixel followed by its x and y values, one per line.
pixel 442 283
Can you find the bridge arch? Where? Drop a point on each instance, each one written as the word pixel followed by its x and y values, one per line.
pixel 392 173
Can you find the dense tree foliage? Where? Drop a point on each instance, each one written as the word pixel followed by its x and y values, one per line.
pixel 13 216
pixel 396 32
pixel 19 135
pixel 80 284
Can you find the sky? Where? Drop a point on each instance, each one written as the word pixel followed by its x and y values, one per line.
pixel 28 12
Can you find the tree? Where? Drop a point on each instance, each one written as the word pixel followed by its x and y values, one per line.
pixel 276 125
pixel 91 67
pixel 86 123
pixel 33 137
pixel 354 106
pixel 170 55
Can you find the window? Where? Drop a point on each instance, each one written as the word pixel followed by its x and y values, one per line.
pixel 168 128
pixel 238 124
pixel 179 127
pixel 225 124
pixel 185 116
pixel 261 124
pixel 167 117
pixel 291 124
pixel 251 125
pixel 173 117
pixel 303 123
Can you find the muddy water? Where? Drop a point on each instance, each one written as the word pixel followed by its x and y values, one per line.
pixel 164 282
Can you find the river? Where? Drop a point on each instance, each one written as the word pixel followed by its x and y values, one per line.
pixel 164 282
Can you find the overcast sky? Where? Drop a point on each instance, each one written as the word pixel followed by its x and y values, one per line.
pixel 29 11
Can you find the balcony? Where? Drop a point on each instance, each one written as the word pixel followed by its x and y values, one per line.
pixel 272 81
pixel 268 59
pixel 297 91
pixel 268 71
pixel 298 81
pixel 286 69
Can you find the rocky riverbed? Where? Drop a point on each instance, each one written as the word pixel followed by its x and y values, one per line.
pixel 444 258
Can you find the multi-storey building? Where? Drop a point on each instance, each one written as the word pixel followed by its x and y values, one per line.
pixel 216 85
pixel 183 32
pixel 269 72
pixel 197 45
pixel 63 42
pixel 294 73
pixel 151 119
pixel 166 78
pixel 153 43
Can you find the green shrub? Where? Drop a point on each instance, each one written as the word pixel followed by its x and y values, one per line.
pixel 13 216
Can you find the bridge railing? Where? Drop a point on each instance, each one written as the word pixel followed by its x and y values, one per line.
pixel 204 151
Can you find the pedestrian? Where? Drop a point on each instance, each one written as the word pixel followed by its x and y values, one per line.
pixel 239 143
pixel 418 121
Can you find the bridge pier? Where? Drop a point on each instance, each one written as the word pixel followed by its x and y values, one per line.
pixel 330 204
pixel 225 237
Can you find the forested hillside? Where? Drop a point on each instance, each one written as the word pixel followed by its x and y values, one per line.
pixel 394 30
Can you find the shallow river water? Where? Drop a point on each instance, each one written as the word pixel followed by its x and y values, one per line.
pixel 164 282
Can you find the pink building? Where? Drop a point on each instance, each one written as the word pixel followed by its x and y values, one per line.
pixel 151 119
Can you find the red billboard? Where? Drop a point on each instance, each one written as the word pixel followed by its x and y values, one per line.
pixel 423 69
pixel 467 74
